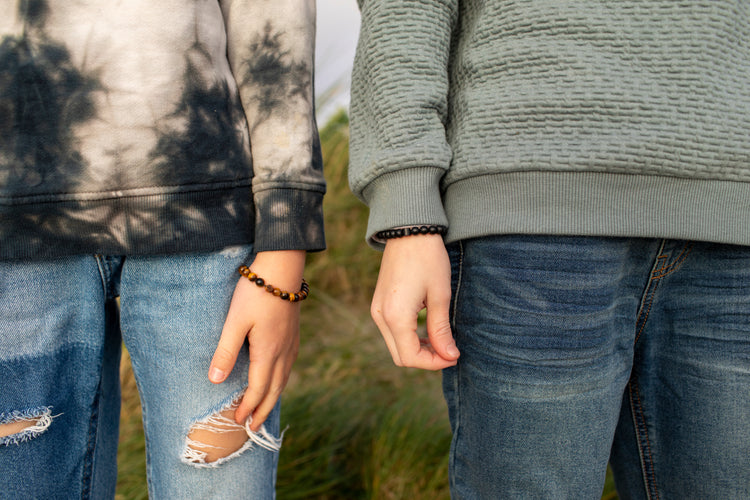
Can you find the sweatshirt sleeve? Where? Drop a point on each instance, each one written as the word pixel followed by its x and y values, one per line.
pixel 270 46
pixel 398 146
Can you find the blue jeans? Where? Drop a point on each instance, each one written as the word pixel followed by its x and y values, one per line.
pixel 579 351
pixel 60 338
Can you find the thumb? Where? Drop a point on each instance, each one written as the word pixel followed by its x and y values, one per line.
pixel 439 330
pixel 233 336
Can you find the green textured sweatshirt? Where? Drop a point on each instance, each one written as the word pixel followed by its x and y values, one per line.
pixel 614 118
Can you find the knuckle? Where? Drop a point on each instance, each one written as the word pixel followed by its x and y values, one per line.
pixel 376 310
pixel 276 390
pixel 387 309
pixel 255 392
pixel 265 352
pixel 405 361
pixel 443 294
pixel 440 330
pixel 223 355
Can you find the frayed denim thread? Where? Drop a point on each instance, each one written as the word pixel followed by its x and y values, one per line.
pixel 213 420
pixel 42 417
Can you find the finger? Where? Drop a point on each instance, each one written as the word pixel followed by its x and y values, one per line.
pixel 266 405
pixel 259 379
pixel 412 352
pixel 439 327
pixel 225 355
pixel 377 316
pixel 233 335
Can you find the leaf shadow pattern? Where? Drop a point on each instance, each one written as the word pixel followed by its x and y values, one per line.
pixel 202 138
pixel 271 69
pixel 277 78
pixel 209 140
pixel 43 96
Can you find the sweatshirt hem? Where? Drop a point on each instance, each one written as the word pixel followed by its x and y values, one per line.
pixel 598 204
pixel 155 224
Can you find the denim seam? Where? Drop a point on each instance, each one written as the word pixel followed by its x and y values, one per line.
pixel 648 300
pixel 104 273
pixel 674 266
pixel 458 282
pixel 135 362
pixel 661 269
pixel 639 419
pixel 88 462
pixel 639 426
pixel 456 385
pixel 656 275
pixel 642 440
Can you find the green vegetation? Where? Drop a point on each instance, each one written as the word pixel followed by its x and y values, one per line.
pixel 359 427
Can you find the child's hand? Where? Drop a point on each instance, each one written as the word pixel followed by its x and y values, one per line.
pixel 415 274
pixel 271 326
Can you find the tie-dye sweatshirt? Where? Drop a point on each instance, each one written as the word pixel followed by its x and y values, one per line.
pixel 143 127
pixel 618 118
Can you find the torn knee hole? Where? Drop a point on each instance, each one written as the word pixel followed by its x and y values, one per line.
pixel 15 427
pixel 218 438
pixel 215 438
pixel 19 426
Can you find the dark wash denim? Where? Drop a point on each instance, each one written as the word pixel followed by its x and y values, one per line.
pixel 580 350
pixel 60 338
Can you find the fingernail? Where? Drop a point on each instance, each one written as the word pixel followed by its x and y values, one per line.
pixel 216 375
pixel 452 350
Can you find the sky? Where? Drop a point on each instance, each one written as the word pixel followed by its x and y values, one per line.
pixel 337 31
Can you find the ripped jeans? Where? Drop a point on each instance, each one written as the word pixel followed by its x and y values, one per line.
pixel 60 336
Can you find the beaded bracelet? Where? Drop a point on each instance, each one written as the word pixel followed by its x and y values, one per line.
pixel 291 297
pixel 408 231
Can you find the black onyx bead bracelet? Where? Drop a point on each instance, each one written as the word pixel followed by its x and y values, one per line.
pixel 283 295
pixel 408 231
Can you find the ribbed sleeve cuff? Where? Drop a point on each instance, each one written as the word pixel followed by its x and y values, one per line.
pixel 289 219
pixel 404 197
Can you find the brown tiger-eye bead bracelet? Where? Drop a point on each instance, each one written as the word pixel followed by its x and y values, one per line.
pixel 276 292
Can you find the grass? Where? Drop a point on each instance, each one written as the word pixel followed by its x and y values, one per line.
pixel 359 428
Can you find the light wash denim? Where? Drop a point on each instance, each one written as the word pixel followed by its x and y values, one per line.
pixel 576 351
pixel 60 338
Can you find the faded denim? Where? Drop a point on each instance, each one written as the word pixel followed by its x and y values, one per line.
pixel 576 351
pixel 60 338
